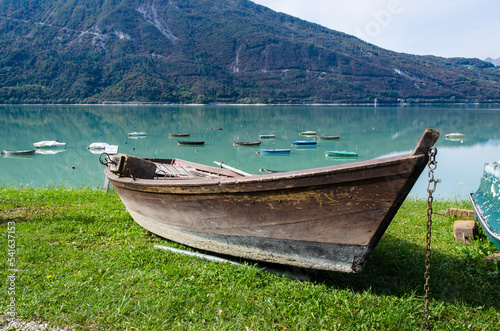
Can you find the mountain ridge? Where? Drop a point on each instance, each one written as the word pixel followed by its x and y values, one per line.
pixel 199 51
pixel 496 62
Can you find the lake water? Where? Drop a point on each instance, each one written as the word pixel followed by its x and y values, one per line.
pixel 371 131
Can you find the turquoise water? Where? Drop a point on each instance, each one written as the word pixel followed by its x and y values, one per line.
pixel 371 132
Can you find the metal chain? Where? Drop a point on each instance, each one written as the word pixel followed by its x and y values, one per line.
pixel 104 158
pixel 431 187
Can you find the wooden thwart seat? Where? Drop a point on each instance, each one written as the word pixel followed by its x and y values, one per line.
pixel 180 171
pixel 167 170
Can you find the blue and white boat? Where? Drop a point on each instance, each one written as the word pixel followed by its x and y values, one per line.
pixel 304 143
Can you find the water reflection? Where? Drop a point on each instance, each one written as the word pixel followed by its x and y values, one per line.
pixel 371 132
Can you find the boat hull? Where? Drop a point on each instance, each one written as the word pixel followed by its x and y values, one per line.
pixel 486 202
pixel 341 154
pixel 246 143
pixel 491 234
pixel 304 143
pixel 49 144
pixel 19 152
pixel 328 218
pixel 455 136
pixel 329 137
pixel 190 142
pixel 273 151
pixel 179 134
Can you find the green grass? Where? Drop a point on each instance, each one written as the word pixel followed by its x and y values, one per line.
pixel 82 262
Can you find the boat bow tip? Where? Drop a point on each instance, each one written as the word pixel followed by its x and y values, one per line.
pixel 428 139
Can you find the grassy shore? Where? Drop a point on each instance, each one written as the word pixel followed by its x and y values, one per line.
pixel 75 258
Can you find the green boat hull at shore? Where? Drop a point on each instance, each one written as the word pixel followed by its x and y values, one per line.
pixel 486 202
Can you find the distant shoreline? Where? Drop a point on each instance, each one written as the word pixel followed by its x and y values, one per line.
pixel 259 104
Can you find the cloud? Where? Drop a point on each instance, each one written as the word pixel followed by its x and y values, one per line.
pixel 449 28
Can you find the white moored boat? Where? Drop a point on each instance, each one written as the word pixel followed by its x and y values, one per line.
pixel 48 144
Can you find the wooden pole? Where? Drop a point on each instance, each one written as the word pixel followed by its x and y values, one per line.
pixel 240 172
pixel 106 184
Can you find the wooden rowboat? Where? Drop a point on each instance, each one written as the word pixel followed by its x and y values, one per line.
pixel 190 142
pixel 341 154
pixel 19 152
pixel 486 202
pixel 328 218
pixel 329 137
pixel 246 143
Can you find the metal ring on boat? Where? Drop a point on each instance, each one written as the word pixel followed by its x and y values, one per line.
pixel 104 159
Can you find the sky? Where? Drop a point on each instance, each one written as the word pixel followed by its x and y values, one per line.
pixel 448 28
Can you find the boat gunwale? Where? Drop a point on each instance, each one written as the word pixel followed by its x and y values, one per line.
pixel 262 179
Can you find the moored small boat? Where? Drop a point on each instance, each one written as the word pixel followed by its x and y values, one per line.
pixel 456 135
pixel 19 152
pixel 268 171
pixel 308 133
pixel 246 143
pixel 341 154
pixel 267 136
pixel 273 151
pixel 49 144
pixel 486 202
pixel 329 137
pixel 98 146
pixel 190 142
pixel 304 143
pixel 137 134
pixel 328 218
pixel 178 134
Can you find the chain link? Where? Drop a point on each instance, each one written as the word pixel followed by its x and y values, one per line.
pixel 431 188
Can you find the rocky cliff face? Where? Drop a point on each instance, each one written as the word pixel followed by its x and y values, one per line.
pixel 210 50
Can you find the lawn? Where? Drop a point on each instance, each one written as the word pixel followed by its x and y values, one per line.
pixel 76 259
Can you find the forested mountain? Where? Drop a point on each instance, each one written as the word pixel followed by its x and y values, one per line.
pixel 73 51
